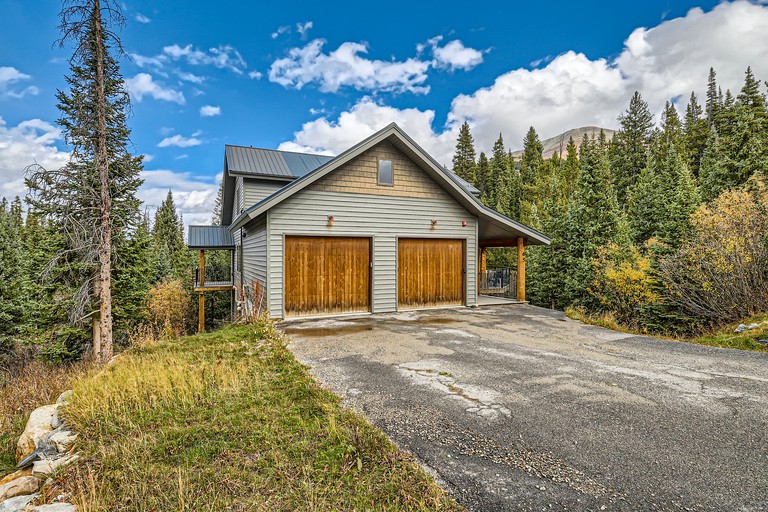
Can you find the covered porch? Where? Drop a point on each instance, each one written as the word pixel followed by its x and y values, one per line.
pixel 503 284
pixel 211 277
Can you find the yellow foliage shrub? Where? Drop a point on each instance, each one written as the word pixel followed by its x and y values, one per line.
pixel 170 308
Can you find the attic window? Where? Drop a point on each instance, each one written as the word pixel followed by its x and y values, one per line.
pixel 386 176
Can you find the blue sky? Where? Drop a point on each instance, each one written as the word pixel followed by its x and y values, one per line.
pixel 320 76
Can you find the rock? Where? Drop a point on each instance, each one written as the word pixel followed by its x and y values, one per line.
pixel 38 425
pixel 55 507
pixel 62 439
pixel 753 326
pixel 16 474
pixel 740 328
pixel 55 419
pixel 18 487
pixel 17 504
pixel 50 466
pixel 64 397
pixel 45 449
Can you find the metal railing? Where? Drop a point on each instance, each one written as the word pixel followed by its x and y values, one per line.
pixel 215 275
pixel 499 282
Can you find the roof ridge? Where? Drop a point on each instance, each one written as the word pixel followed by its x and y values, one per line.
pixel 277 150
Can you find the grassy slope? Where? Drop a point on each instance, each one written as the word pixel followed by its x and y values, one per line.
pixel 230 421
pixel 724 338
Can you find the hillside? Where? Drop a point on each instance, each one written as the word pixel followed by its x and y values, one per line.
pixel 558 143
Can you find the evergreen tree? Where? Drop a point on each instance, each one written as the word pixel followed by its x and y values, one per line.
pixel 11 300
pixel 570 169
pixel 173 258
pixel 531 174
pixel 93 197
pixel 133 278
pixel 483 176
pixel 695 132
pixel 464 156
pixel 630 145
pixel 499 178
pixel 714 98
pixel 218 205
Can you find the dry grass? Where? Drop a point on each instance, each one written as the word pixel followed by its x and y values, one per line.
pixel 28 385
pixel 230 421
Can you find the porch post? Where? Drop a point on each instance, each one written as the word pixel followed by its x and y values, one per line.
pixel 521 269
pixel 201 312
pixel 202 267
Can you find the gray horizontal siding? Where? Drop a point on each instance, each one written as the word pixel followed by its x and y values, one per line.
pixel 255 251
pixel 381 217
pixel 256 190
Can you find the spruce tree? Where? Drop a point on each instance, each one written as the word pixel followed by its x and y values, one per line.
pixel 532 177
pixel 93 197
pixel 714 98
pixel 498 179
pixel 482 173
pixel 133 278
pixel 464 156
pixel 11 300
pixel 570 169
pixel 695 133
pixel 174 259
pixel 630 145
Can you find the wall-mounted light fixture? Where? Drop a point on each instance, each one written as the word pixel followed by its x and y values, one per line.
pixel 330 220
pixel 463 223
pixel 434 223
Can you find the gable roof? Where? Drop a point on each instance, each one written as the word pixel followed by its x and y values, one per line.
pixel 270 163
pixel 497 226
pixel 210 237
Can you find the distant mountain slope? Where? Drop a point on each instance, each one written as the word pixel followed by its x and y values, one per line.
pixel 558 143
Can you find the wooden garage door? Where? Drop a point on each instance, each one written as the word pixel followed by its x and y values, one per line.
pixel 327 275
pixel 430 272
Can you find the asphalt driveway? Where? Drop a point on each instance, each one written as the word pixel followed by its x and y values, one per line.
pixel 520 408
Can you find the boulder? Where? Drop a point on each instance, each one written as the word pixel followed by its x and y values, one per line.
pixel 64 397
pixel 753 326
pixel 47 467
pixel 741 328
pixel 16 474
pixel 17 504
pixel 55 507
pixel 18 487
pixel 62 439
pixel 38 425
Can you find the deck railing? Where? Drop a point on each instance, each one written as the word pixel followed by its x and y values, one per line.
pixel 499 282
pixel 215 275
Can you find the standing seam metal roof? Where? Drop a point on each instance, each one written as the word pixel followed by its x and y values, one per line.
pixel 271 163
pixel 209 237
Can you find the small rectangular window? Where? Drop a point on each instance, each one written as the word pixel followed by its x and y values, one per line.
pixel 386 176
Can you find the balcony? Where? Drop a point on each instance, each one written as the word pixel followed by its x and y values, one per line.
pixel 214 278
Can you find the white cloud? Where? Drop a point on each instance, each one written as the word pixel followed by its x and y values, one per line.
pixel 180 141
pixel 280 30
pixel 665 62
pixel 194 196
pixel 346 67
pixel 190 77
pixel 222 57
pixel 148 158
pixel 256 75
pixel 9 80
pixel 142 18
pixel 29 142
pixel 144 85
pixel 454 55
pixel 303 28
pixel 210 111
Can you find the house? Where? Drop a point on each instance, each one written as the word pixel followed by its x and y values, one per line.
pixel 379 228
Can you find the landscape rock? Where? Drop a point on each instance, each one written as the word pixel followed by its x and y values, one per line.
pixel 50 466
pixel 55 507
pixel 753 326
pixel 38 425
pixel 740 328
pixel 62 439
pixel 64 397
pixel 18 487
pixel 45 449
pixel 17 504
pixel 16 474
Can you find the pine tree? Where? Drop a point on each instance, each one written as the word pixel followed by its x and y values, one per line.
pixel 482 174
pixel 10 278
pixel 532 177
pixel 133 278
pixel 630 145
pixel 570 168
pixel 464 156
pixel 93 197
pixel 695 133
pixel 173 258
pixel 499 178
pixel 218 206
pixel 714 98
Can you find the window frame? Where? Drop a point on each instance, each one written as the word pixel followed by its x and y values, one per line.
pixel 391 170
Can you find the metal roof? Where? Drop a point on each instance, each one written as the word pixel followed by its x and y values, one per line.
pixel 270 162
pixel 210 237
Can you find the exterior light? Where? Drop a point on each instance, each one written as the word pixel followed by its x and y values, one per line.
pixel 330 220
pixel 434 223
pixel 463 223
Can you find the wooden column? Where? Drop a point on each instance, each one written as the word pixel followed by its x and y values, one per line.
pixel 483 260
pixel 202 268
pixel 521 269
pixel 201 312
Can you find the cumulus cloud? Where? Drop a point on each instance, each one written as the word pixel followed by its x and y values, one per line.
pixel 222 57
pixel 141 18
pixel 194 196
pixel 144 85
pixel 347 66
pixel 210 111
pixel 665 62
pixel 454 55
pixel 255 75
pixel 9 84
pixel 29 142
pixel 180 141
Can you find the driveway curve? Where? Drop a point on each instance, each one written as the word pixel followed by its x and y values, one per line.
pixel 521 408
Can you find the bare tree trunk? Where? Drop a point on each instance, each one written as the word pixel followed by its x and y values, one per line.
pixel 102 165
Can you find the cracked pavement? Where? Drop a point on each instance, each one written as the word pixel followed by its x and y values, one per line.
pixel 520 408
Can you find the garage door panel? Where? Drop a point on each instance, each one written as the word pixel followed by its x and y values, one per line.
pixel 327 275
pixel 430 272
